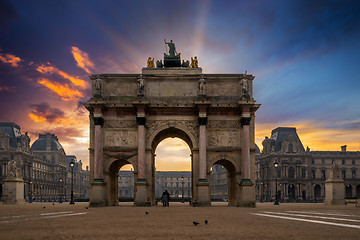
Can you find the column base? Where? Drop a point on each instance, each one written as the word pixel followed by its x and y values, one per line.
pixel 98 193
pixel 203 199
pixel 246 194
pixel 141 193
pixel 14 191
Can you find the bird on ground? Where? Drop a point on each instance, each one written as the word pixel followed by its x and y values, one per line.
pixel 86 207
pixel 146 212
pixel 195 223
pixel 43 206
pixel 206 221
pixel 53 203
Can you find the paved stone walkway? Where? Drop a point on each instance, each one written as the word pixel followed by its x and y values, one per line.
pixel 266 221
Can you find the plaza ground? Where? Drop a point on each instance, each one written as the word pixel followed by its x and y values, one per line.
pixel 266 221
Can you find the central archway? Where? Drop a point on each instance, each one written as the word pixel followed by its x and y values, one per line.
pixel 159 136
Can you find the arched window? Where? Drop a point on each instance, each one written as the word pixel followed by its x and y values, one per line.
pixel 290 148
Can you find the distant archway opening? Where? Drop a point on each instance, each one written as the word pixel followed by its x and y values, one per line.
pixel 358 191
pixel 291 192
pixel 348 191
pixel 317 192
pixel 222 182
pixel 126 183
pixel 173 165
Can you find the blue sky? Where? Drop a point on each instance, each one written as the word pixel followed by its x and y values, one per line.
pixel 305 56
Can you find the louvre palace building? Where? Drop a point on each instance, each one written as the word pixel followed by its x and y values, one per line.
pixel 301 173
pixel 44 167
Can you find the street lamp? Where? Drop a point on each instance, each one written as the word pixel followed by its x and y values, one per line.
pixel 182 195
pixel 30 192
pixel 276 165
pixel 72 181
pixel 60 192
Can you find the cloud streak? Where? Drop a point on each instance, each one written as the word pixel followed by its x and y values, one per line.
pixel 44 113
pixel 11 59
pixel 65 92
pixel 82 59
pixel 54 70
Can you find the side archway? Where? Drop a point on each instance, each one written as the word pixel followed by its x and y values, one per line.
pixel 112 168
pixel 232 173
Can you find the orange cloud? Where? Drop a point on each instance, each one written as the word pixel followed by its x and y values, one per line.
pixel 54 70
pixel 63 90
pixel 10 59
pixel 82 59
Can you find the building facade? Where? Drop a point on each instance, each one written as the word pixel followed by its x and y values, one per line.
pixel 42 166
pixel 301 173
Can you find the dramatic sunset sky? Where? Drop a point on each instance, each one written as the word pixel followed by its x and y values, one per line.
pixel 305 56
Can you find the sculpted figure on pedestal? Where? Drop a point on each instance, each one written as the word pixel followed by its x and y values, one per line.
pixel 13 170
pixel 98 86
pixel 202 86
pixel 141 86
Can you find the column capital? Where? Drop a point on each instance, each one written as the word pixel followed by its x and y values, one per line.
pixel 245 121
pixel 202 120
pixel 141 120
pixel 98 121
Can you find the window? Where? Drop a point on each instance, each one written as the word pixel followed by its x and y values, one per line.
pixel 313 173
pixel 290 148
pixel 353 173
pixel 323 174
pixel 312 161
pixel 344 174
pixel 353 162
pixel 322 161
pixel 343 161
pixel 303 173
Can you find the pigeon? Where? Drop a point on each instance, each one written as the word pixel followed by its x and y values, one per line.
pixel 53 203
pixel 43 206
pixel 146 212
pixel 206 221
pixel 195 223
pixel 86 207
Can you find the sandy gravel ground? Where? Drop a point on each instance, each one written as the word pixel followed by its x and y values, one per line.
pixel 64 221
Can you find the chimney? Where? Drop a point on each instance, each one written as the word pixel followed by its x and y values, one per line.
pixel 343 148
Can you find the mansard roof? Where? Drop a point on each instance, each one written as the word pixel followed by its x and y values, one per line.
pixel 280 134
pixel 41 143
pixel 11 129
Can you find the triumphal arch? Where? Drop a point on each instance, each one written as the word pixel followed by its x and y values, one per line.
pixel 130 114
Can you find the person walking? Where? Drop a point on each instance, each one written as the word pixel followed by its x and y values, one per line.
pixel 165 198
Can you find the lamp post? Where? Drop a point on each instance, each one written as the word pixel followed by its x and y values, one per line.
pixel 60 192
pixel 30 192
pixel 72 181
pixel 276 165
pixel 182 189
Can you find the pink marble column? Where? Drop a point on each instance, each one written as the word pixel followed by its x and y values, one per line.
pixel 98 149
pixel 202 152
pixel 141 151
pixel 245 121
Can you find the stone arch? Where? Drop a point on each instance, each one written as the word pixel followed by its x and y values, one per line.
pixel 153 141
pixel 358 191
pixel 317 192
pixel 233 171
pixel 111 170
pixel 348 191
pixel 159 133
